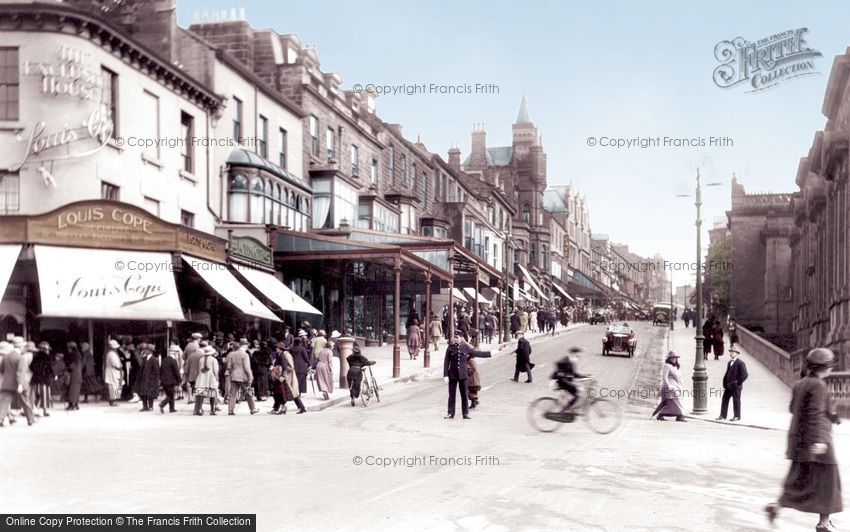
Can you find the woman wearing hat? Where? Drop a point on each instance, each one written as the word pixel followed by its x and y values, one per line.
pixel 92 385
pixel 324 369
pixel 414 338
pixel 42 375
pixel 74 364
pixel 671 390
pixel 112 372
pixel 206 386
pixel 813 484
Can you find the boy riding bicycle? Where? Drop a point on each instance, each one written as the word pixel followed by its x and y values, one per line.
pixel 565 373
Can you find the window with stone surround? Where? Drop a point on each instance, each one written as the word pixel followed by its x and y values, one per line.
pixel 329 142
pixel 10 192
pixel 9 84
pixel 263 144
pixel 314 136
pixel 237 120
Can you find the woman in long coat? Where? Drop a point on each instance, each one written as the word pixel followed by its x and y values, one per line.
pixel 113 374
pixel 717 339
pixel 324 369
pixel 149 378
pixel 291 390
pixel 707 328
pixel 74 365
pixel 813 484
pixel 91 384
pixel 414 339
pixel 206 385
pixel 523 322
pixel 671 390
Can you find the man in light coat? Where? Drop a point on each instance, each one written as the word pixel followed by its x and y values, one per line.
pixel 13 382
pixel 239 367
pixel 192 357
pixel 113 375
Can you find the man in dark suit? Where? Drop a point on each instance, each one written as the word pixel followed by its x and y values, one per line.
pixel 455 372
pixel 523 358
pixel 169 378
pixel 733 382
pixel 301 359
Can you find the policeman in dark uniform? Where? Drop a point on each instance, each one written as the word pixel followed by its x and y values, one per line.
pixel 455 372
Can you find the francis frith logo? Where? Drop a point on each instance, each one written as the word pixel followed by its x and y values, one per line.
pixel 764 63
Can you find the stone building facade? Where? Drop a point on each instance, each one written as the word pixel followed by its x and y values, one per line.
pixel 760 229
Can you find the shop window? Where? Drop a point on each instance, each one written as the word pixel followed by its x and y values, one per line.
pixel 238 198
pixel 257 200
pixel 10 193
pixel 108 191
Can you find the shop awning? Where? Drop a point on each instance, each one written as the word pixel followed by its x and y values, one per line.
pixel 275 290
pixel 107 284
pixel 564 292
pixel 8 258
pixel 472 295
pixel 531 281
pixel 459 295
pixel 222 281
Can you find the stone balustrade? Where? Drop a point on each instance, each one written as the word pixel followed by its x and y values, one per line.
pixel 787 366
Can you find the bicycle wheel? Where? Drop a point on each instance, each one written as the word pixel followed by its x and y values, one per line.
pixel 603 416
pixel 365 393
pixel 537 414
pixel 375 388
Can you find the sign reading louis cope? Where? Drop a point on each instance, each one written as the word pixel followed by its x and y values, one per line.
pixel 107 284
pixel 764 63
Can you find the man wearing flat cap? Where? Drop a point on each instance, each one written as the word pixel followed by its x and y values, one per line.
pixel 456 374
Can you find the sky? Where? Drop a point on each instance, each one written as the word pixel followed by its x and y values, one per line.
pixel 612 70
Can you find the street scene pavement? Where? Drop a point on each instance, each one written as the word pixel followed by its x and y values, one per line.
pixel 399 465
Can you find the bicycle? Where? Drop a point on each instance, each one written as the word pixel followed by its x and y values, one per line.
pixel 602 415
pixel 368 387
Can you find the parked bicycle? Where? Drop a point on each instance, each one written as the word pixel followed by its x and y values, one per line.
pixel 369 387
pixel 548 414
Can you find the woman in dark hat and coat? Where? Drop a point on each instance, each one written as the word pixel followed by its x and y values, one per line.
pixel 74 363
pixel 813 484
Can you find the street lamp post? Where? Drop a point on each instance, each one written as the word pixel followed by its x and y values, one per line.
pixel 700 376
pixel 506 326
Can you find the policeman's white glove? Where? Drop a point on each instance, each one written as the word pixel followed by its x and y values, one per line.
pixel 818 448
pixel 446 380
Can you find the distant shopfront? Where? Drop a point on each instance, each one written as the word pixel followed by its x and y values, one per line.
pixel 95 269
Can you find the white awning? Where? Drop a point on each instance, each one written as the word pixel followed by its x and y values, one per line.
pixel 275 290
pixel 561 290
pixel 495 289
pixel 222 281
pixel 472 295
pixel 531 281
pixel 528 297
pixel 107 284
pixel 459 295
pixel 8 258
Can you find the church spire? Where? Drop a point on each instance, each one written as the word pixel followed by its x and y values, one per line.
pixel 522 115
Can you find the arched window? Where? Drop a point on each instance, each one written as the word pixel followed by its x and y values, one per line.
pixel 268 208
pixel 257 200
pixel 278 197
pixel 238 201
pixel 526 213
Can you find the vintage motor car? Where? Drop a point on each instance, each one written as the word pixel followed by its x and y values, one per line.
pixel 619 339
pixel 662 313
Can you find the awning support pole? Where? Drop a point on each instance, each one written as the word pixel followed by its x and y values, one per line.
pixel 397 319
pixel 427 325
